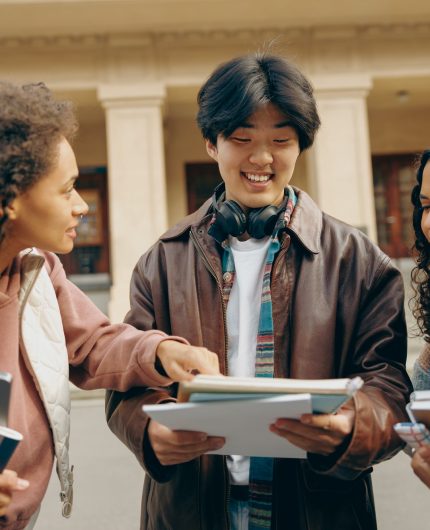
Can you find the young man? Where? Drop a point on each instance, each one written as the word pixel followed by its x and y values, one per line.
pixel 278 288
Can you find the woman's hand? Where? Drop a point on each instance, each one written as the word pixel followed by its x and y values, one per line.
pixel 9 482
pixel 421 464
pixel 180 360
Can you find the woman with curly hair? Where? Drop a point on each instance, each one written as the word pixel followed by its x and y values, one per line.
pixel 49 329
pixel 421 282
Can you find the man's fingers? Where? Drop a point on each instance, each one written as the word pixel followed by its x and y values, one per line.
pixel 341 423
pixel 175 447
pixel 323 444
pixel 169 455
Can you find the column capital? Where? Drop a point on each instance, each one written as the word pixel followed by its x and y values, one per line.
pixel 151 93
pixel 342 85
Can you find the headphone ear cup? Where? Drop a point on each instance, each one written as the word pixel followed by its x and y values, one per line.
pixel 261 222
pixel 231 218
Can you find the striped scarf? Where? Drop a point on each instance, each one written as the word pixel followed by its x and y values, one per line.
pixel 261 469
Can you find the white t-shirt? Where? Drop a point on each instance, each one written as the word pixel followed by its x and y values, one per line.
pixel 243 315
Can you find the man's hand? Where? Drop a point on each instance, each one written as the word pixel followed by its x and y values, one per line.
pixel 317 433
pixel 177 447
pixel 179 360
pixel 9 482
pixel 421 464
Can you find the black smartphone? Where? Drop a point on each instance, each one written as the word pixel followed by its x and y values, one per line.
pixel 5 384
pixel 9 439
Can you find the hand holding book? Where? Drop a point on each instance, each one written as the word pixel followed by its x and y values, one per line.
pixel 241 410
pixel 416 433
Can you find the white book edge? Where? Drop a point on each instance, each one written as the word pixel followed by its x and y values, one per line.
pixel 420 395
pixel 204 383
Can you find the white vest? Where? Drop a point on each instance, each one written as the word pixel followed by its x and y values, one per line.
pixel 45 353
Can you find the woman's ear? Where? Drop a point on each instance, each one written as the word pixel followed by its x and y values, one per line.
pixel 211 150
pixel 11 210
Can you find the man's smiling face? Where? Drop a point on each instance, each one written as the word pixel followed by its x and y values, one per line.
pixel 257 160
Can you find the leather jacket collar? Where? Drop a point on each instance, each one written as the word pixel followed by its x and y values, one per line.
pixel 305 225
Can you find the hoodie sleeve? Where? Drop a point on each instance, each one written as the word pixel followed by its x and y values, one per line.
pixel 101 354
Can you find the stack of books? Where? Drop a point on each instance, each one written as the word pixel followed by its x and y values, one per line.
pixel 416 432
pixel 327 395
pixel 241 410
pixel 419 407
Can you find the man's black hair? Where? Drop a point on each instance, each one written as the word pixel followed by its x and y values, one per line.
pixel 237 88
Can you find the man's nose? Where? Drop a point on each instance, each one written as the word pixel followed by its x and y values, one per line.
pixel 261 156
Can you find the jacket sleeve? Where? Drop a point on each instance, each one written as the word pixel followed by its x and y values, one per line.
pixel 378 355
pixel 124 412
pixel 101 354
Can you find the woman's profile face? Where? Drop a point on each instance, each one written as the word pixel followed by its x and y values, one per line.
pixel 47 214
pixel 425 202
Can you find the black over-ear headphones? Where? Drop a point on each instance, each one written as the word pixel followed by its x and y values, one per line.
pixel 230 219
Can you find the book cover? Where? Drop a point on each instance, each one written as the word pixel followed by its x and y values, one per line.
pixel 421 411
pixel 243 423
pixel 241 386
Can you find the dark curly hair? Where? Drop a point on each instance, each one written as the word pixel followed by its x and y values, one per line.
pixel 32 122
pixel 421 272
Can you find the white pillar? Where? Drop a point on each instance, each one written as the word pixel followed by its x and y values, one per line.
pixel 136 180
pixel 340 161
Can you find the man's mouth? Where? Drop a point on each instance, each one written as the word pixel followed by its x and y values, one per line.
pixel 255 177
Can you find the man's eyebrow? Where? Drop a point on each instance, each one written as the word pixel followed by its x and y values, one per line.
pixel 285 123
pixel 246 125
pixel 280 125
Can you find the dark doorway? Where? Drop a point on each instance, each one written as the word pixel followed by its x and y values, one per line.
pixel 393 180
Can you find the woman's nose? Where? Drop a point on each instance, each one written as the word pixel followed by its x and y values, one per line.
pixel 80 207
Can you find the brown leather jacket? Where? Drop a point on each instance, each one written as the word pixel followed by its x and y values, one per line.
pixel 338 312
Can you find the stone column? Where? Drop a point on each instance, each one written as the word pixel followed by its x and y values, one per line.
pixel 136 180
pixel 340 162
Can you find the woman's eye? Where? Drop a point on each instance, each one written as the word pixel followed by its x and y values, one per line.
pixel 425 207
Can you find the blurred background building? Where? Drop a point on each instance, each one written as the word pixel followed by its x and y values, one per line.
pixel 133 68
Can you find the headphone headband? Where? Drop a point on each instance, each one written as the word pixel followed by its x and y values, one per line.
pixel 230 219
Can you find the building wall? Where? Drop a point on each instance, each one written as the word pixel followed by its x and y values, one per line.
pixel 132 84
pixel 401 130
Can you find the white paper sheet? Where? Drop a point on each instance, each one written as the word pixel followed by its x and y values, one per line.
pixel 243 423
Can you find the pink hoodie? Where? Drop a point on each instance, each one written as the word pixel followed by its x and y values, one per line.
pixel 101 355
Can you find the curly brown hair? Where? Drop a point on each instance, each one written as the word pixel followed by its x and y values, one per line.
pixel 32 123
pixel 421 272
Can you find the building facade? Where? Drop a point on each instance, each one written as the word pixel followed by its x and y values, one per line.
pixel 133 68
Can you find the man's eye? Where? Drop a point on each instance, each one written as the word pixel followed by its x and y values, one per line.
pixel 281 140
pixel 240 139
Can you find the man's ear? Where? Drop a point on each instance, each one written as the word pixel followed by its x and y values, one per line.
pixel 211 150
